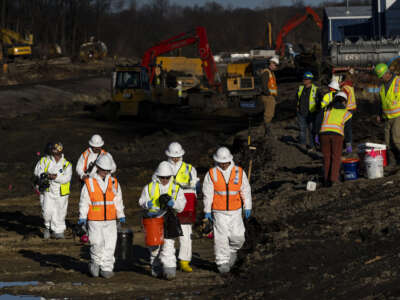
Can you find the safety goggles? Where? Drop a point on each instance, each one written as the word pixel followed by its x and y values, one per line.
pixel 164 177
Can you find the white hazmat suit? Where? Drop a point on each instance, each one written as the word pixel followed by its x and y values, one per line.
pixel 92 158
pixel 167 254
pixel 185 241
pixel 54 206
pixel 102 234
pixel 228 225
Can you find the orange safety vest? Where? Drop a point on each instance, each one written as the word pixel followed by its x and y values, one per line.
pixel 227 195
pixel 86 157
pixel 272 86
pixel 351 97
pixel 102 207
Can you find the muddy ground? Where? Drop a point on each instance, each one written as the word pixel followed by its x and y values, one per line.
pixel 335 243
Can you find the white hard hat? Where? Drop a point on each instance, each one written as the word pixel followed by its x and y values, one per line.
pixel 341 94
pixel 174 150
pixel 104 162
pixel 334 84
pixel 274 59
pixel 223 155
pixel 96 141
pixel 164 169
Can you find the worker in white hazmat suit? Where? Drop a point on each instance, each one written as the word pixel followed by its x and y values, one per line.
pixel 54 198
pixel 226 191
pixel 100 206
pixel 185 175
pixel 86 165
pixel 162 258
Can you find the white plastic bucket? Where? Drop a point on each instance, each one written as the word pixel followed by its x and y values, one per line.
pixel 374 166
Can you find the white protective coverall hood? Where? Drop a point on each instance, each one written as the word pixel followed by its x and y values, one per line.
pixel 92 158
pixel 167 254
pixel 102 234
pixel 228 225
pixel 54 206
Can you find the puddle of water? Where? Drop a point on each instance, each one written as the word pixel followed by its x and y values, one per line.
pixel 12 297
pixel 17 283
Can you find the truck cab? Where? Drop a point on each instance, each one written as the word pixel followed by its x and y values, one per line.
pixel 130 88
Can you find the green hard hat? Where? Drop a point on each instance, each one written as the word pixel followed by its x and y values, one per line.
pixel 381 69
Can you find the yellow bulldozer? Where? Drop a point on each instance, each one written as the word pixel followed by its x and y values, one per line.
pixel 15 45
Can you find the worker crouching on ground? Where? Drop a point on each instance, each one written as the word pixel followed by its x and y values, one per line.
pixel 162 258
pixel 100 206
pixel 226 190
pixel 351 105
pixel 185 175
pixel 328 97
pixel 332 126
pixel 390 98
pixel 308 100
pixel 58 172
pixel 269 93
pixel 86 165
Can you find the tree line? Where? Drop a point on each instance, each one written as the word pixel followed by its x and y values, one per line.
pixel 128 30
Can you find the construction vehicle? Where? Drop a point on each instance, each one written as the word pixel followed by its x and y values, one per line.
pixel 197 36
pixel 92 50
pixel 143 97
pixel 14 44
pixel 292 24
pixel 130 90
pixel 243 84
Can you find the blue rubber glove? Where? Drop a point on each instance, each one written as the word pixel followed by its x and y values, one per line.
pixel 349 149
pixel 171 203
pixel 82 222
pixel 122 220
pixel 316 140
pixel 208 217
pixel 149 204
pixel 247 213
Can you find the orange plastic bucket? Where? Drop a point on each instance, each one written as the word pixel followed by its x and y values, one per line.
pixel 153 231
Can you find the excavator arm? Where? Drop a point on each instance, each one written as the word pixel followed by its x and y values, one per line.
pixel 198 36
pixel 293 23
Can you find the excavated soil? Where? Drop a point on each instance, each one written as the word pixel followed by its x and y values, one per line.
pixel 334 243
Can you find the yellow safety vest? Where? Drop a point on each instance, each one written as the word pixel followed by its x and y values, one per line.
pixel 328 98
pixel 64 187
pixel 351 97
pixel 334 120
pixel 183 176
pixel 391 100
pixel 154 193
pixel 312 99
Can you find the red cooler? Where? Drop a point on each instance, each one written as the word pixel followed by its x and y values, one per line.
pixel 188 215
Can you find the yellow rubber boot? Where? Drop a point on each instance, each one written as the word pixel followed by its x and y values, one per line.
pixel 185 266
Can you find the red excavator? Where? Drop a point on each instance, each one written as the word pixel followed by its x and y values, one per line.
pixel 198 36
pixel 293 23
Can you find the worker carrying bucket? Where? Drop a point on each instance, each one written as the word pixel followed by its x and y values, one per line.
pixel 185 175
pixel 152 199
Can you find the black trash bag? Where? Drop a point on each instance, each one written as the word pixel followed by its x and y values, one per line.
pixel 163 200
pixel 172 226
